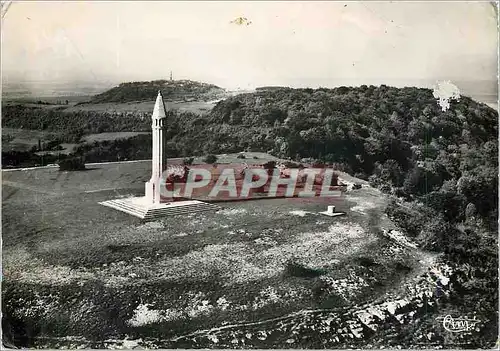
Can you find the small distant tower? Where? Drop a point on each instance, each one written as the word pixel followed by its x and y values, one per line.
pixel 159 161
pixel 171 76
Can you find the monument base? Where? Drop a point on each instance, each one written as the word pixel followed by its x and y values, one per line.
pixel 329 214
pixel 330 211
pixel 144 209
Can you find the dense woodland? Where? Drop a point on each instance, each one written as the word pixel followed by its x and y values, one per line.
pixel 444 164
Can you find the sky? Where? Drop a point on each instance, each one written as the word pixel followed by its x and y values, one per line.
pixel 284 43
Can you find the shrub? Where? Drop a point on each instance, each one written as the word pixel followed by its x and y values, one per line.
pixel 470 211
pixel 291 164
pixel 409 218
pixel 72 164
pixel 269 165
pixel 210 159
pixel 438 235
pixel 324 295
pixel 367 261
pixel 295 269
pixel 188 161
pixel 7 138
pixel 402 267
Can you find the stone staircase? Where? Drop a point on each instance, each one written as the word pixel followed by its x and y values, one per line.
pixel 138 208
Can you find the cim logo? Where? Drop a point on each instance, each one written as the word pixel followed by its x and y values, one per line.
pixel 458 325
pixel 231 181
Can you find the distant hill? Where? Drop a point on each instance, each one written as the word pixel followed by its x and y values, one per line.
pixel 171 90
pixel 51 89
pixel 271 87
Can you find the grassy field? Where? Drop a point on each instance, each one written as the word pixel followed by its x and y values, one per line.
pixel 80 274
pixel 49 99
pixel 24 140
pixel 198 107
pixel 110 136
pixel 79 103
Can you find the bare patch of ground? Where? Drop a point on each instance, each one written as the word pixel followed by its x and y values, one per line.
pixel 91 138
pixel 144 107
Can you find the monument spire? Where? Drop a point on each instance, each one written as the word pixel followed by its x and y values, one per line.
pixel 159 159
pixel 159 110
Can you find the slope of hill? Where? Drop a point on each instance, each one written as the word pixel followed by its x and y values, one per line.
pixel 145 91
pixel 271 87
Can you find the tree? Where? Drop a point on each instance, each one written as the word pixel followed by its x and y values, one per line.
pixel 72 164
pixel 470 211
pixel 210 159
pixel 389 172
pixel 480 187
pixel 188 161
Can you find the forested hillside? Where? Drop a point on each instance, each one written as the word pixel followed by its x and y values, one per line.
pixel 443 164
pixel 400 139
pixel 71 126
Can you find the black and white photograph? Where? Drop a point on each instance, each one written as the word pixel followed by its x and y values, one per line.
pixel 249 175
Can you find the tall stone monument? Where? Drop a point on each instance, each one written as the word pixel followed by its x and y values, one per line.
pixel 159 160
pixel 152 205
